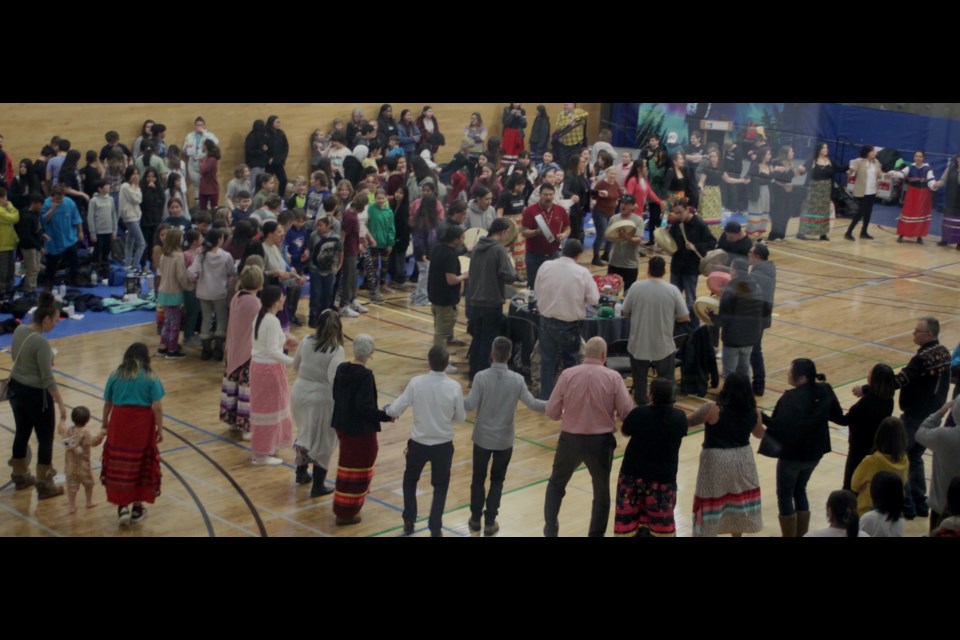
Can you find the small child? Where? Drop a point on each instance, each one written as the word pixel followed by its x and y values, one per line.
pixel 175 191
pixel 394 150
pixel 9 216
pixel 209 184
pixel 319 191
pixel 212 270
pixel 382 229
pixel 295 245
pixel 244 202
pixel 102 218
pixel 191 306
pixel 202 222
pixel 176 217
pixel 299 198
pixel 30 232
pixel 78 443
pixel 156 252
pixel 325 261
pixel 268 187
pixel 173 282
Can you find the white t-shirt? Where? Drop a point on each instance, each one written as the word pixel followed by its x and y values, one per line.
pixel 876 524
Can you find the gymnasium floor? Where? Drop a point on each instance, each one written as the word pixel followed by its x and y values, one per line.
pixel 846 305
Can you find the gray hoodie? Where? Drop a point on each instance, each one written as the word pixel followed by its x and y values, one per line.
pixel 490 271
pixel 478 218
pixel 102 215
pixel 211 271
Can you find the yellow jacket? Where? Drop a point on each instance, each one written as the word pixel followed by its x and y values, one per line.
pixel 9 216
pixel 871 466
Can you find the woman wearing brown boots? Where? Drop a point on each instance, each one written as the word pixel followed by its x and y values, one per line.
pixel 798 434
pixel 32 394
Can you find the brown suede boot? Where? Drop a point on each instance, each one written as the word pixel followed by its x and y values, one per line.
pixel 21 473
pixel 788 526
pixel 46 488
pixel 803 523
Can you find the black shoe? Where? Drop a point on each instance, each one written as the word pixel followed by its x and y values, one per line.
pixel 923 512
pixel 919 240
pixel 474 525
pixel 175 355
pixel 597 262
pixel 162 352
pixel 847 236
pixel 491 528
pixel 218 349
pixel 801 236
pixel 650 243
pixel 605 256
pixel 909 516
pixel 942 243
pixel 294 320
pixel 759 390
pixel 900 239
pixel 319 487
pixel 303 477
pixel 866 236
pixel 408 527
pixel 138 514
pixel 825 238
pixel 207 352
pixel 436 534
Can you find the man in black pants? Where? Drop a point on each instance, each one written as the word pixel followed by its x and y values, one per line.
pixel 924 384
pixel 490 272
pixel 64 228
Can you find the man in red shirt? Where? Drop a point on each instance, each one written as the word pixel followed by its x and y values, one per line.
pixel 538 249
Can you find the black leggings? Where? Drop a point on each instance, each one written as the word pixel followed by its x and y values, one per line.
pixel 32 409
pixel 654 222
pixel 864 212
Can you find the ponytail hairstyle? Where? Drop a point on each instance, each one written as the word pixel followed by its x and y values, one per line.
pixel 843 512
pixel 329 335
pixel 804 367
pixel 46 308
pixel 268 297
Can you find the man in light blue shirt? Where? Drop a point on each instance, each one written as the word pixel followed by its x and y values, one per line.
pixel 63 227
pixel 495 394
pixel 437 405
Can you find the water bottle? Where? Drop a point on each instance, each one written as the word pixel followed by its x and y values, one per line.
pixel 618 309
pixel 93 277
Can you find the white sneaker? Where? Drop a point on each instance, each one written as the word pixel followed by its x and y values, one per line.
pixel 347 312
pixel 267 461
pixel 247 436
pixel 359 308
pixel 451 369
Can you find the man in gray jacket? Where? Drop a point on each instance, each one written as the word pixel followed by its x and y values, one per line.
pixel 495 394
pixel 490 272
pixel 765 273
pixel 480 211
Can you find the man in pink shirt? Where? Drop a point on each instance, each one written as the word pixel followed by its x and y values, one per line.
pixel 588 400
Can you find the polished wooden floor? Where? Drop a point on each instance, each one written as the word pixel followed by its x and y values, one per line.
pixel 846 305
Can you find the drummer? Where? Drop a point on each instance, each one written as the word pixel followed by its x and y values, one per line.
pixel 627 240
pixel 456 217
pixel 735 242
pixel 556 221
pixel 694 241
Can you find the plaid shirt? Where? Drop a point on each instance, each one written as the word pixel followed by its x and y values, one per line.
pixel 574 136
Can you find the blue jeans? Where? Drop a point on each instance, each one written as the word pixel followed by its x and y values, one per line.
pixel 600 223
pixel 134 244
pixel 792 479
pixel 321 294
pixel 556 338
pixel 915 493
pixel 534 262
pixel 736 359
pixel 688 287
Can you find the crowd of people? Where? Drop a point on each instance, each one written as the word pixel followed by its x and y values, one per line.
pixel 504 213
